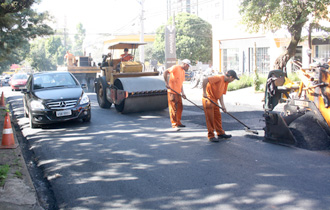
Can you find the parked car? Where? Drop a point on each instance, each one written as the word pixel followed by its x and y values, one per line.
pixel 52 97
pixel 4 79
pixel 18 81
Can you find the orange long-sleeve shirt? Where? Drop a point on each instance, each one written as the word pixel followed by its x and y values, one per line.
pixel 216 87
pixel 177 77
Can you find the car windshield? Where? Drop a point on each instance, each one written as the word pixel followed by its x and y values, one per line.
pixel 20 76
pixel 53 80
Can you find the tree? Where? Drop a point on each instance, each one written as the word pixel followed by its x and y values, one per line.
pixel 19 24
pixel 79 40
pixel 37 56
pixel 46 54
pixel 272 15
pixel 55 50
pixel 193 39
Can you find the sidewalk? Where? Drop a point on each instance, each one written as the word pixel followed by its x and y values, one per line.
pixel 18 192
pixel 244 96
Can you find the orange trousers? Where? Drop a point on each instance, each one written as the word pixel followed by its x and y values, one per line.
pixel 213 118
pixel 175 108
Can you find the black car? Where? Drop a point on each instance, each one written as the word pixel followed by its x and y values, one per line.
pixel 52 97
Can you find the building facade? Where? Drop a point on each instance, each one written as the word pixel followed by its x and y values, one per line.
pixel 234 48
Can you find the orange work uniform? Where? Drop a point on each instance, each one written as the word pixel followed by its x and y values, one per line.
pixel 69 59
pixel 215 88
pixel 126 57
pixel 175 107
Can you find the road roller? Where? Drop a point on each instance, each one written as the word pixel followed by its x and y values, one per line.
pixel 127 85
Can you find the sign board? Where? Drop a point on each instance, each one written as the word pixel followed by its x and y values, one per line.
pixel 170 46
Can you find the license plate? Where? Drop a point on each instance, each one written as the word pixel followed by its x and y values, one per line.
pixel 63 113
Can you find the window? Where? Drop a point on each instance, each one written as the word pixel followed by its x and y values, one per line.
pixel 322 51
pixel 263 60
pixel 230 59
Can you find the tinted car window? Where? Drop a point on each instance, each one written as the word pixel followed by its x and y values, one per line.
pixel 20 76
pixel 53 80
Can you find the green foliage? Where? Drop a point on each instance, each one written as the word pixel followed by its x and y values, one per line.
pixel 193 39
pixel 19 24
pixel 256 82
pixel 18 174
pixel 246 81
pixel 243 82
pixel 78 40
pixel 294 77
pixel 158 52
pixel 4 169
pixel 46 54
pixel 274 14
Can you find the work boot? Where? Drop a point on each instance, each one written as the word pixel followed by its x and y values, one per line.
pixel 176 128
pixel 181 126
pixel 224 136
pixel 214 139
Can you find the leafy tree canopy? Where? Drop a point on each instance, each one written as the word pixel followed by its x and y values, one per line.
pixel 272 15
pixel 79 40
pixel 46 54
pixel 19 24
pixel 193 39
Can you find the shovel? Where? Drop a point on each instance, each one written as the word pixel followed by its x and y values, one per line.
pixel 247 128
pixel 187 99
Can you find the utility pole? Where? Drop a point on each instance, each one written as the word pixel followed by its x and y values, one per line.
pixel 142 31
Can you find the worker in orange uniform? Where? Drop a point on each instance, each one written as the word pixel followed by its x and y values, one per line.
pixel 126 56
pixel 174 78
pixel 214 88
pixel 70 59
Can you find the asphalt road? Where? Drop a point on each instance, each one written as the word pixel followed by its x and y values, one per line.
pixel 136 161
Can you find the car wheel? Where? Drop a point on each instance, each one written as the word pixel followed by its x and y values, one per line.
pixel 101 93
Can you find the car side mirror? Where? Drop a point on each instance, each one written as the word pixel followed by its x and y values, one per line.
pixel 83 85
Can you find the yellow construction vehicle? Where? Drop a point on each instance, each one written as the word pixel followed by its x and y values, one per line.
pixel 83 69
pixel 126 85
pixel 305 119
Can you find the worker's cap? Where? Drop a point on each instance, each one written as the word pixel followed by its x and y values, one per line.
pixel 125 50
pixel 232 73
pixel 186 61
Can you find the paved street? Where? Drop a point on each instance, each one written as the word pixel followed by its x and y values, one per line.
pixel 136 161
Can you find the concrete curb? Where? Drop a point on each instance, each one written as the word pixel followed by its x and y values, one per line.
pixel 17 193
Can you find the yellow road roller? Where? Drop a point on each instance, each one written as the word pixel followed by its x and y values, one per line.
pixel 126 84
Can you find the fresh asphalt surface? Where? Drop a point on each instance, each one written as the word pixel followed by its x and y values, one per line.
pixel 135 161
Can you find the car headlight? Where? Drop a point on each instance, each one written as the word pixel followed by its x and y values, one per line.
pixel 37 105
pixel 84 99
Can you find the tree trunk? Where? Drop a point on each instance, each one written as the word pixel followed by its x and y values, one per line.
pixel 290 51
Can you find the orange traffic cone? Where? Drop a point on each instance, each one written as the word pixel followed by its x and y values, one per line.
pixel 8 141
pixel 2 102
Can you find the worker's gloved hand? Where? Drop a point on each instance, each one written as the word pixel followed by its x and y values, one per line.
pixel 224 109
pixel 183 96
pixel 167 86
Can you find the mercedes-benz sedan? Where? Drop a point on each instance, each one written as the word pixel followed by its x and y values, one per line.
pixel 52 97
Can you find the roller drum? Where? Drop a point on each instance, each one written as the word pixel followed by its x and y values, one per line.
pixel 144 94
